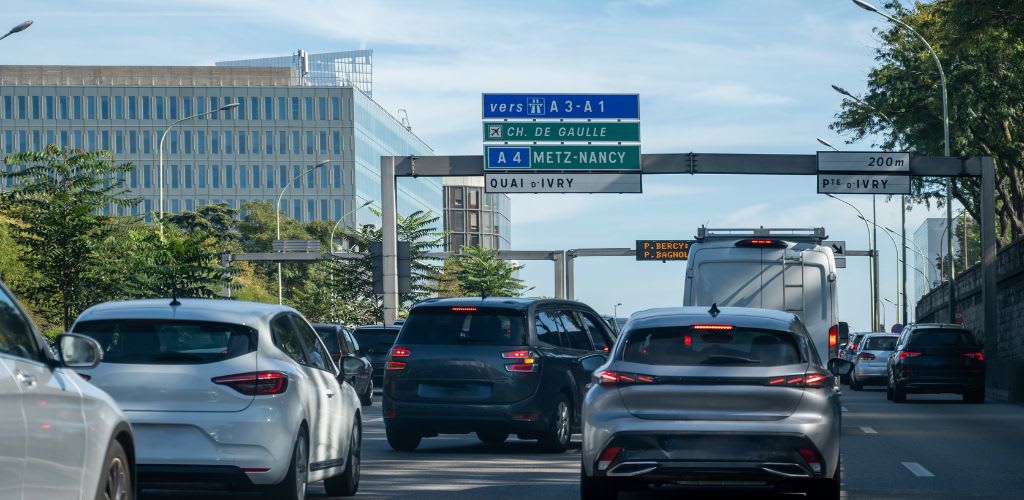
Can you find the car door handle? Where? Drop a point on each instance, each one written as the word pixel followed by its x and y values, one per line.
pixel 26 379
pixel 330 394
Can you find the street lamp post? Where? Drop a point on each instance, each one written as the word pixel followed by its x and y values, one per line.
pixel 280 281
pixel 160 147
pixel 17 29
pixel 615 311
pixel 945 143
pixel 874 260
pixel 895 248
pixel 330 241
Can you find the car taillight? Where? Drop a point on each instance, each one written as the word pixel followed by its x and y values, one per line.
pixel 761 243
pixel 711 328
pixel 610 378
pixel 833 336
pixel 973 355
pixel 811 379
pixel 811 458
pixel 866 356
pixel 255 383
pixel 608 456
pixel 526 361
pixel 908 354
pixel 399 352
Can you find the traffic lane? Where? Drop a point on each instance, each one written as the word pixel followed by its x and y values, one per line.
pixel 934 446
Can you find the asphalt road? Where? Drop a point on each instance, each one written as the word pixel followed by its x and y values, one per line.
pixel 930 447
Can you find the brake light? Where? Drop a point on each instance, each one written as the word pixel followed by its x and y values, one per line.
pixel 255 383
pixel 608 456
pixel 713 328
pixel 908 354
pixel 610 378
pixel 973 355
pixel 464 309
pixel 761 243
pixel 527 361
pixel 833 336
pixel 516 354
pixel 811 458
pixel 395 365
pixel 812 380
pixel 866 356
pixel 399 352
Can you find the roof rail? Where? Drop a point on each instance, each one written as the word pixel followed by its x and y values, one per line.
pixel 816 234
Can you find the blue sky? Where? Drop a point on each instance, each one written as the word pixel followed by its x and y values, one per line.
pixel 748 76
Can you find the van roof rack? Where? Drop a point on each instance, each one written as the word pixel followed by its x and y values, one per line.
pixel 816 234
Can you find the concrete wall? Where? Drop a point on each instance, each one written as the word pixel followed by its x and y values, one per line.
pixel 1004 349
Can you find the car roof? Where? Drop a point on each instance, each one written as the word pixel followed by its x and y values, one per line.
pixel 937 325
pixel 215 310
pixel 737 316
pixel 378 327
pixel 517 303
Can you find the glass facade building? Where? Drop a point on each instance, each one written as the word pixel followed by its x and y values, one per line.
pixel 252 152
pixel 475 218
pixel 929 240
pixel 329 69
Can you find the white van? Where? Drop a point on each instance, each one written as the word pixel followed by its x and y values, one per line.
pixel 783 269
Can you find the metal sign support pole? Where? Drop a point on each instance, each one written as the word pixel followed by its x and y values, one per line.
pixel 390 239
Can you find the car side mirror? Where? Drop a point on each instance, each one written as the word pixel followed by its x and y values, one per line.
pixel 592 363
pixel 78 351
pixel 839 367
pixel 351 365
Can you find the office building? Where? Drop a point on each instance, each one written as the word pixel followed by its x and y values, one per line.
pixel 473 217
pixel 929 240
pixel 330 69
pixel 277 132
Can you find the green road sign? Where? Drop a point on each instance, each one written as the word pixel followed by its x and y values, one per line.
pixel 568 157
pixel 561 132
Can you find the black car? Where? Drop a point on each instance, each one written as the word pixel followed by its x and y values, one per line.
pixel 494 366
pixel 374 342
pixel 355 368
pixel 935 358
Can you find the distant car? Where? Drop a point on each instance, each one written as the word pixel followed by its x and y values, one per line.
pixel 851 346
pixel 494 366
pixel 60 436
pixel 935 358
pixel 227 394
pixel 871 359
pixel 722 397
pixel 344 350
pixel 374 342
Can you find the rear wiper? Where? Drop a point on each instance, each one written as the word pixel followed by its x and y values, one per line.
pixel 724 360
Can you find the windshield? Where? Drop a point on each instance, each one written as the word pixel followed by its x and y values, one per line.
pixel 375 339
pixel 329 335
pixel 683 346
pixel 936 337
pixel 147 341
pixel 880 344
pixel 464 326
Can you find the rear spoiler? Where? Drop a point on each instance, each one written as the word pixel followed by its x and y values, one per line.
pixel 815 234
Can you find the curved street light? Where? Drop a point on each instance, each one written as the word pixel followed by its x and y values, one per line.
pixel 330 241
pixel 277 213
pixel 17 29
pixel 874 257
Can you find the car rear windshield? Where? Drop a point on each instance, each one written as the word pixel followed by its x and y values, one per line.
pixel 330 338
pixel 684 346
pixel 936 337
pixel 880 344
pixel 168 342
pixel 465 325
pixel 376 339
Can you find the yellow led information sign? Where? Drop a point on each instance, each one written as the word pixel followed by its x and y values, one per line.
pixel 662 249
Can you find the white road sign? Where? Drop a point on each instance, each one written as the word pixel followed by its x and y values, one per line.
pixel 573 182
pixel 863 184
pixel 838 247
pixel 863 162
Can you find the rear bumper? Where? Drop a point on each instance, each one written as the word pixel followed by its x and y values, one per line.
pixel 942 385
pixel 864 372
pixel 219 477
pixel 528 416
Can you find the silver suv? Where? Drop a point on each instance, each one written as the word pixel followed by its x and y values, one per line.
pixel 697 396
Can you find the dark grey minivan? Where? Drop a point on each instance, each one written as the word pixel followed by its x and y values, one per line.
pixel 495 366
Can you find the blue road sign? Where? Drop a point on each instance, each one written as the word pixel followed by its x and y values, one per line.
pixel 538 106
pixel 502 157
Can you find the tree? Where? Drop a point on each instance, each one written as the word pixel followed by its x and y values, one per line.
pixel 979 44
pixel 480 272
pixel 53 202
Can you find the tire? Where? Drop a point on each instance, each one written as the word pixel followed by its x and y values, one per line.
pixel 558 435
pixel 401 438
pixel 366 398
pixel 899 394
pixel 597 488
pixel 116 481
pixel 854 385
pixel 826 489
pixel 347 484
pixel 492 437
pixel 888 392
pixel 293 486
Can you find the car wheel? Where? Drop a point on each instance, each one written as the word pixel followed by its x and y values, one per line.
pixel 293 487
pixel 347 484
pixel 116 483
pixel 596 488
pixel 899 394
pixel 854 384
pixel 557 436
pixel 492 437
pixel 826 488
pixel 366 398
pixel 402 438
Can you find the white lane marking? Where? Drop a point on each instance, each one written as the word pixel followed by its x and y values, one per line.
pixel 846 409
pixel 917 469
pixel 868 430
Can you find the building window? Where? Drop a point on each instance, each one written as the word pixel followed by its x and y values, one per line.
pixel 241 143
pixel 270 176
pixel 35 107
pixel 175 178
pixel 188 177
pixel 186 106
pixel 147 177
pixel 132 108
pixel 243 176
pixel 78 139
pixel 215 142
pixel 76 107
pixel 457 220
pixel 268 141
pixel 337 208
pixel 321 108
pixel 146 144
pixel 310 209
pixel 105 140
pixel 133 141
pixel 215 170
pixel 268 108
pixel 282 176
pixel 202 176
pixel 255 111
pixel 297 206
pixel 474 197
pixel 473 221
pixel 64 139
pixel 255 142
pixel 256 176
pixel 174 141
pixel 118 107
pixel 49 107
pixel 229 142
pixel 229 176
pixel 188 141
pixel 282 142
pixel 323 142
pixel 296 176
pixel 214 104
pixel 119 141
pixel 146 107
pixel 337 176
pixel 309 142
pixel 310 176
pixel 335 108
pixel 325 177
pixel 201 141
pixel 91 134
pixel 457 195
pixel 295 108
pixel 336 140
pixel 8 107
pixel 309 108
pixel 105 107
pixel 90 107
pixel 133 178
pixel 190 205
pixel 175 206
pixel 172 107
pixel 62 104
pixel 296 141
pixel 282 108
pixel 9 147
pixel 201 107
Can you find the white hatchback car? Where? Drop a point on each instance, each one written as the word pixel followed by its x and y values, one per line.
pixel 227 393
pixel 60 437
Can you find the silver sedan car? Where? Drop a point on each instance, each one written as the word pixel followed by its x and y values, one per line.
pixel 733 396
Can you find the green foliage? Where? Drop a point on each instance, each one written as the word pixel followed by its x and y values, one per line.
pixel 981 49
pixel 480 272
pixel 54 202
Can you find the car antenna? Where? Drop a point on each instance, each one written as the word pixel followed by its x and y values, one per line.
pixel 714 311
